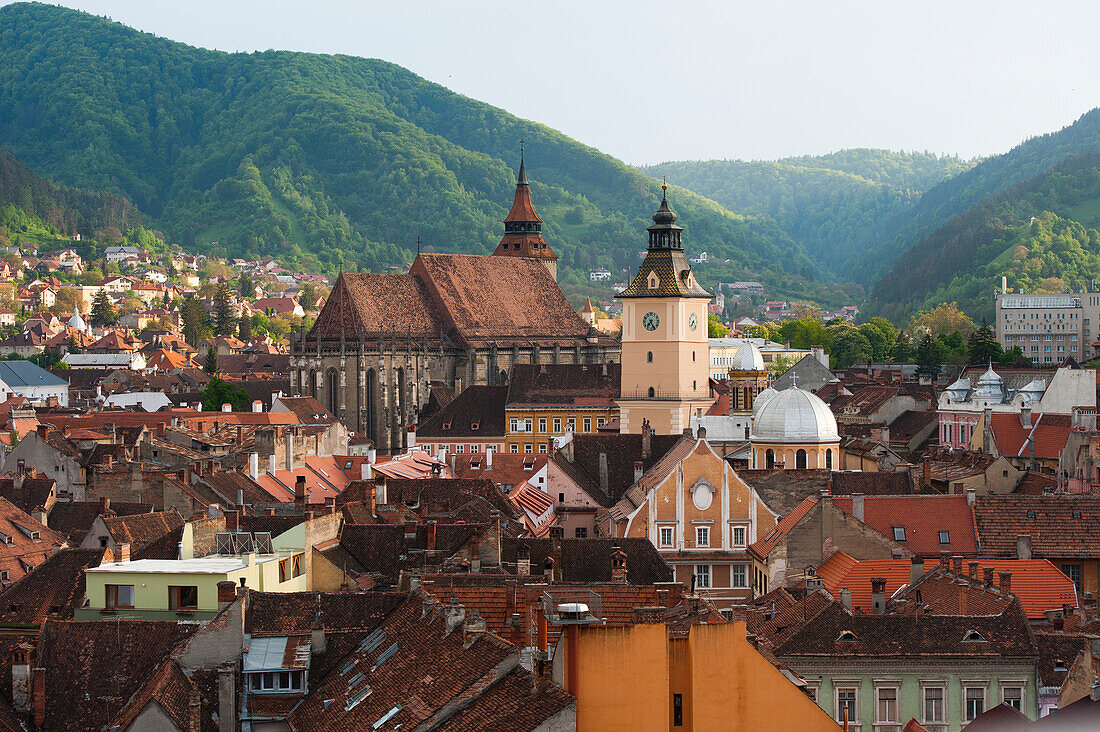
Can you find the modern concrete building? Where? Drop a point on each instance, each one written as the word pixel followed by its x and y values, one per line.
pixel 1049 328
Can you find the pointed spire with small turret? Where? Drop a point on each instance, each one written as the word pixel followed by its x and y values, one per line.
pixel 523 227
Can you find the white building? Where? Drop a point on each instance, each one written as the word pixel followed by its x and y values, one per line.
pixel 106 361
pixel 23 378
pixel 723 353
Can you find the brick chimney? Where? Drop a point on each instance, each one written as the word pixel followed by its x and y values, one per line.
pixel 618 566
pixel 945 558
pixel 1006 582
pixel 878 596
pixel 523 560
pixel 972 570
pixel 957 565
pixel 227 592
pixel 21 678
pixel 122 551
pixel 42 430
pixel 987 576
pixel 647 439
pixel 916 569
pixel 926 470
pixel 300 494
pixel 38 693
pixel 231 522
pixel 431 536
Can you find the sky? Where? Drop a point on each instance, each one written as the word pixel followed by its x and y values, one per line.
pixel 650 82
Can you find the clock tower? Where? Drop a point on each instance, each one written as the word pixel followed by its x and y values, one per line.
pixel 665 356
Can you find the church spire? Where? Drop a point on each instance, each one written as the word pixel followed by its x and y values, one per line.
pixel 523 227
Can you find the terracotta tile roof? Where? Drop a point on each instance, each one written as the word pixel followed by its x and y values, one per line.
pixel 34 492
pixel 537 507
pixel 589 560
pixel 308 409
pixel 75 654
pixel 482 406
pixel 922 518
pixel 367 304
pixel 171 689
pixel 909 423
pixel 1049 432
pixel 622 451
pixel 660 470
pixel 516 703
pixel 878 483
pixel 293 614
pixel 54 588
pixel 1006 635
pixel 507 470
pixel 566 384
pixel 914 726
pixel 864 402
pixel 251 364
pixel 139 530
pixel 764 545
pixel 1059 527
pixel 383 550
pixel 1057 654
pixel 72 519
pixel 26 543
pixel 443 495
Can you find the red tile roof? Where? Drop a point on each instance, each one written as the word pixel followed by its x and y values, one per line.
pixel 1059 527
pixel 922 518
pixel 843 571
pixel 1048 431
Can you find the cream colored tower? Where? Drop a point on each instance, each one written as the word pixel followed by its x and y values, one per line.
pixel 665 374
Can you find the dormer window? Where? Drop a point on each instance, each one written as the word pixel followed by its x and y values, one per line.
pixel 446 425
pixel 899 533
pixel 846 635
pixel 475 425
pixel 973 636
pixel 654 281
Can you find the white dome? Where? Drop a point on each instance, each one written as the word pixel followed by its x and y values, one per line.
pixel 794 415
pixel 77 322
pixel 990 385
pixel 761 399
pixel 748 358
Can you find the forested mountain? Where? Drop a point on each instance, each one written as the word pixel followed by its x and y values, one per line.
pixel 1040 233
pixel 332 159
pixel 835 206
pixel 989 177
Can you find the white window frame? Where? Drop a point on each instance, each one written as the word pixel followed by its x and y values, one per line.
pixel 845 686
pixel 557 425
pixel 587 424
pixel 702 536
pixel 661 543
pixel 942 687
pixel 966 686
pixel 733 536
pixel 1015 684
pixel 708 574
pixel 896 688
pixel 734 568
pixel 542 424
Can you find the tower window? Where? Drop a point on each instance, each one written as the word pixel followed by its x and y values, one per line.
pixel 652 392
pixel 649 357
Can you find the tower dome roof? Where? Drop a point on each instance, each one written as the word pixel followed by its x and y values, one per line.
pixel 748 358
pixel 77 322
pixel 990 377
pixel 761 399
pixel 795 415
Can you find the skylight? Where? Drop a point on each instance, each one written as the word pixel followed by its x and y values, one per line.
pixel 899 533
pixel 945 537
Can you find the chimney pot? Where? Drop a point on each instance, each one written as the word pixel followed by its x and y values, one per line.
pixel 123 552
pixel 1023 546
pixel 957 565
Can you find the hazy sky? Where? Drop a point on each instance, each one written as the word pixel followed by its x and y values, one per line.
pixel 654 81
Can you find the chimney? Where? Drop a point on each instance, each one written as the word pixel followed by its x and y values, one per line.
pixel 39 514
pixel 366 471
pixel 454 613
pixel 123 552
pixel 523 560
pixel 878 596
pixel 1023 546
pixel 227 700
pixel 42 430
pixel 289 450
pixel 257 406
pixel 38 692
pixel 160 429
pixel 857 505
pixel 1025 417
pixel 987 576
pixel 548 570
pixel 945 558
pixel 410 436
pixel 1006 582
pixel 846 598
pixel 957 565
pixel 21 679
pixel 489 458
pixel 227 592
pixel 916 570
pixel 473 626
pixel 372 455
pixel 227 407
pixel 231 524
pixel 647 439
pixel 240 434
pixel 972 570
pixel 971 493
pixel 431 536
pixel 603 472
pixel 618 566
pixel 639 470
pixel 194 711
pixel 926 470
pixel 987 431
pixel 300 491
pixel 253 465
pixel 317 636
pixel 271 463
pixel 104 505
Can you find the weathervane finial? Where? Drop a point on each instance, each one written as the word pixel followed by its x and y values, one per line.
pixel 664 183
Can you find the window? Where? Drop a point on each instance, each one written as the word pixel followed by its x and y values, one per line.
pixel 649 356
pixel 296 565
pixel 973 701
pixel 886 704
pixel 702 536
pixel 828 459
pixel 561 498
pixel 599 422
pixel 652 392
pixel 1013 696
pixel 845 704
pixel 899 533
pixel 284 570
pixel 702 576
pixel 513 425
pixel 580 532
pixel 665 533
pixel 276 681
pixel 739 575
pixel 933 704
pixel 527 425
pixel 513 448
pixel 185 597
pixel 458 449
pixel 737 536
pixel 677 710
pixel 528 448
pixel 542 424
pixel 542 447
pixel 571 424
pixel 1073 571
pixel 769 459
pixel 945 537
pixel 800 460
pixel 120 596
pixel 587 424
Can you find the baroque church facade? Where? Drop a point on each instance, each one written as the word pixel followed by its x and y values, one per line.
pixel 383 341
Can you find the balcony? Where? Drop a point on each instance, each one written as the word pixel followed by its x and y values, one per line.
pixel 664 395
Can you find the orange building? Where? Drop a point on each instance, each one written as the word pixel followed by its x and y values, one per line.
pixel 709 678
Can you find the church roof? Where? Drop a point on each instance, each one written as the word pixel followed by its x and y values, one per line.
pixel 467 298
pixel 673 274
pixel 522 208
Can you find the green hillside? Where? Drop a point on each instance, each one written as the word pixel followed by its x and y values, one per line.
pixel 835 206
pixel 1039 233
pixel 332 159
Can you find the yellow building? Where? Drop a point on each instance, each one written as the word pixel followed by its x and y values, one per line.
pixel 793 429
pixel 545 400
pixel 712 679
pixel 665 373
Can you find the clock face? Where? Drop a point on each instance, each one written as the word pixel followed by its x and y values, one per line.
pixel 650 321
pixel 693 321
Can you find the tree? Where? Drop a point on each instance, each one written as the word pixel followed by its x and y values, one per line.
pixel 210 365
pixel 756 331
pixel 195 327
pixel 880 343
pixel 983 345
pixel 307 295
pixel 224 321
pixel 245 285
pixel 244 328
pixel 218 392
pixel 50 358
pixel 850 346
pixel 68 300
pixel 103 313
pixel 804 332
pixel 945 318
pixel 70 344
pixel 928 357
pixel 715 328
pixel 903 348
